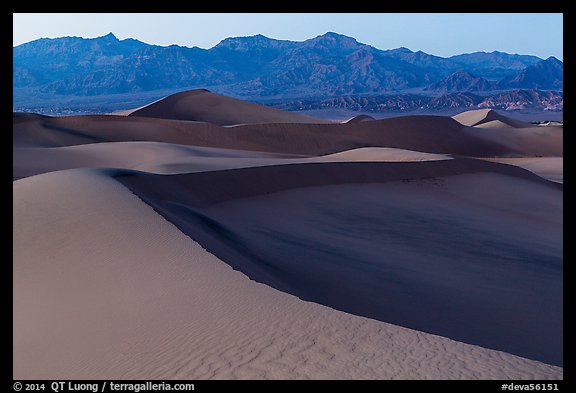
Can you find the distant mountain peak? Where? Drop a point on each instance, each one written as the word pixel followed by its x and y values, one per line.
pixel 332 39
pixel 245 43
pixel 399 51
pixel 110 36
pixel 554 60
pixel 336 35
pixel 545 74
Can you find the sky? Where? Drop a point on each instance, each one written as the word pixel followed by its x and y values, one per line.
pixel 539 34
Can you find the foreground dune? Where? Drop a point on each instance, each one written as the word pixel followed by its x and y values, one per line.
pixel 408 253
pixel 120 293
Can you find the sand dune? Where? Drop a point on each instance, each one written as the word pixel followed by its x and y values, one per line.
pixel 538 141
pixel 168 158
pixel 359 118
pixel 154 157
pixel 375 154
pixel 203 237
pixel 120 293
pixel 551 168
pixel 518 136
pixel 482 116
pixel 127 112
pixel 430 134
pixel 203 105
pixel 207 188
pixel 300 265
pixel 493 124
pixel 20 117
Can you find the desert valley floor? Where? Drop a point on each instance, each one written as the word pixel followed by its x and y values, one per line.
pixel 206 237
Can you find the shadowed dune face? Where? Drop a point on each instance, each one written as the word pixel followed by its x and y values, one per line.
pixel 430 134
pixel 118 292
pixel 541 141
pixel 202 105
pixel 456 248
pixel 220 186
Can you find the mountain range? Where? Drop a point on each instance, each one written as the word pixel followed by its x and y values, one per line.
pixel 257 66
pixel 98 75
pixel 511 100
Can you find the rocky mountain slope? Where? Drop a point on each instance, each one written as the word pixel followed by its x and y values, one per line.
pixel 257 66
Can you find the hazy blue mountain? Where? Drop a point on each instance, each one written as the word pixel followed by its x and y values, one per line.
pixel 150 68
pixel 520 99
pixel 376 103
pixel 494 65
pixel 546 74
pixel 328 65
pixel 435 67
pixel 323 66
pixel 47 60
pixel 462 81
pixel 510 100
pixel 454 100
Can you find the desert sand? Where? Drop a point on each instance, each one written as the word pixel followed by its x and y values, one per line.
pixel 551 168
pixel 201 241
pixel 203 105
pixel 488 118
pixel 169 158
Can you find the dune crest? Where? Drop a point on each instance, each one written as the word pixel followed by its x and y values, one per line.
pixel 478 117
pixel 359 118
pixel 203 105
pixel 196 203
pixel 154 305
pixel 170 158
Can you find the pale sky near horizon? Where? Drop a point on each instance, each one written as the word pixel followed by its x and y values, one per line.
pixel 434 33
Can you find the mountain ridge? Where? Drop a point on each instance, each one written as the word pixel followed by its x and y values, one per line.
pixel 512 100
pixel 462 81
pixel 258 66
